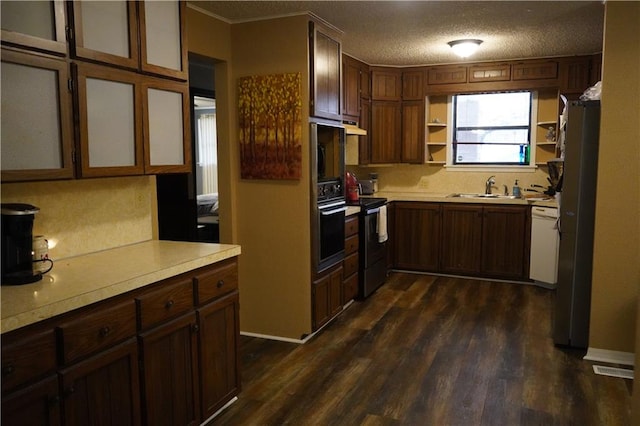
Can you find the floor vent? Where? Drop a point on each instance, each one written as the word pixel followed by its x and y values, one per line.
pixel 614 372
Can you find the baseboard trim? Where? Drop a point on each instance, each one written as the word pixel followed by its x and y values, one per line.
pixel 612 357
pixel 298 341
pixel 279 338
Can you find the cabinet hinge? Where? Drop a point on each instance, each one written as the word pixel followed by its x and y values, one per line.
pixel 69 33
pixel 73 156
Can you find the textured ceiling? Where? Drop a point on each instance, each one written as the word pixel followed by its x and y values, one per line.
pixel 404 33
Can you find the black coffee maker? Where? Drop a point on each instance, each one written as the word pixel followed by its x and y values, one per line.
pixel 17 241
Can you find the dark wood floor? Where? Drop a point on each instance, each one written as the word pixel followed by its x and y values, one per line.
pixel 427 350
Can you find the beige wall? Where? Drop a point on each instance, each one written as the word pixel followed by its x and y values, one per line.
pixel 211 37
pixel 88 215
pixel 635 415
pixel 616 257
pixel 273 216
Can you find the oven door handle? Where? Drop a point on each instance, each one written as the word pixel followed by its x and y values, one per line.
pixel 372 211
pixel 330 212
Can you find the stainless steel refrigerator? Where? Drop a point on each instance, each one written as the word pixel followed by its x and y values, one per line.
pixel 577 216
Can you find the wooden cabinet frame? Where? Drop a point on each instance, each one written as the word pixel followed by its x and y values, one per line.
pixel 77 42
pixel 183 73
pixel 57 46
pixel 65 117
pixel 82 73
pixel 183 90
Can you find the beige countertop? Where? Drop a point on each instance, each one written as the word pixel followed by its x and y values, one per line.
pixel 351 210
pixel 79 281
pixel 443 198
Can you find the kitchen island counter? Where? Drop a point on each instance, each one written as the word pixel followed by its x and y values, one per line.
pixel 80 281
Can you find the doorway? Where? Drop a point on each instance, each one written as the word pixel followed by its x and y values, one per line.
pixel 188 204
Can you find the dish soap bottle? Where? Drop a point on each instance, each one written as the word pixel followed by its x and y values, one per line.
pixel 516 190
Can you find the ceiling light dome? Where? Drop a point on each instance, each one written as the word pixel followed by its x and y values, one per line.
pixel 464 48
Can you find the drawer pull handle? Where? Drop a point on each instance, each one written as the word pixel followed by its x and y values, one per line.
pixel 105 331
pixel 169 304
pixel 8 370
pixel 220 283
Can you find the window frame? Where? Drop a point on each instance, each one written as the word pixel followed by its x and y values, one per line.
pixel 530 145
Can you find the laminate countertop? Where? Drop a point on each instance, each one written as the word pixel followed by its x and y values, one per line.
pixel 446 198
pixel 80 281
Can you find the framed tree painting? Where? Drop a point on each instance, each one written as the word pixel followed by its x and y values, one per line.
pixel 270 126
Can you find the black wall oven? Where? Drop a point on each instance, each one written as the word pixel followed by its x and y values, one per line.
pixel 330 225
pixel 328 205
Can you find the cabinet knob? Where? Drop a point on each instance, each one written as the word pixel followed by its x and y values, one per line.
pixel 195 328
pixel 8 370
pixel 220 283
pixel 105 331
pixel 169 304
pixel 70 391
pixel 54 400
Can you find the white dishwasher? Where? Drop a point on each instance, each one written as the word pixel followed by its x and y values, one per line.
pixel 545 242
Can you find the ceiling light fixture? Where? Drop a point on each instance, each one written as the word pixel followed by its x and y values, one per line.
pixel 464 48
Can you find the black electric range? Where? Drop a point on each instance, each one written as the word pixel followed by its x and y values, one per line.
pixel 368 202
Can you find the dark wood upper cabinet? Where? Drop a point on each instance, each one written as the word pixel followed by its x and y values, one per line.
pixel 386 132
pixel 413 132
pixel 413 85
pixel 386 84
pixel 36 25
pixel 575 75
pixel 489 72
pixel 350 89
pixel 446 75
pixel 364 143
pixel 325 69
pixel 535 70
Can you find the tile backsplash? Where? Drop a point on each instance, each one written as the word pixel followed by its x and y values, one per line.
pixel 88 215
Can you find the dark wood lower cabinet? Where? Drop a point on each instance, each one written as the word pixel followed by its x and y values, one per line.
pixel 165 354
pixel 484 240
pixel 170 375
pixel 327 296
pixel 35 405
pixel 219 367
pixel 417 236
pixel 461 239
pixel 103 389
pixel 506 232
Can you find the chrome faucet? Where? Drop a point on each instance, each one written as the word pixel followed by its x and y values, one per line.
pixel 487 187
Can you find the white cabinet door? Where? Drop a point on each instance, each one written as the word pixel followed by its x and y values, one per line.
pixel 106 31
pixel 34 24
pixel 36 118
pixel 167 135
pixel 162 38
pixel 110 122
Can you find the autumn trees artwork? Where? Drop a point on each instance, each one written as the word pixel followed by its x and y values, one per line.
pixel 270 126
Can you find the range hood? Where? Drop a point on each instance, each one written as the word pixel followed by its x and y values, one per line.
pixel 350 129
